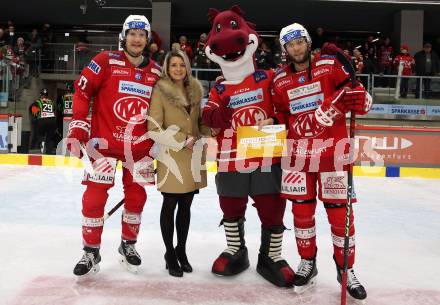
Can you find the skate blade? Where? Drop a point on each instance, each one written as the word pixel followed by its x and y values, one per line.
pixel 130 268
pixel 95 269
pixel 353 301
pixel 304 288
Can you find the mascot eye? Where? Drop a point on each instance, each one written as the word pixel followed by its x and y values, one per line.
pixel 234 24
pixel 218 28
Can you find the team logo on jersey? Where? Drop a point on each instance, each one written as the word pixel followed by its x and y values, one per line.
pixel 220 88
pixel 138 76
pixel 302 79
pixel 247 116
pixel 294 183
pixel 135 88
pixel 306 103
pixel 131 109
pixel 94 67
pixel 246 98
pixel 116 62
pixel 304 90
pixel 259 76
pixel 305 126
pixel 116 71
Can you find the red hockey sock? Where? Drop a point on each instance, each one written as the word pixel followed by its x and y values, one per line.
pixel 94 200
pixel 336 218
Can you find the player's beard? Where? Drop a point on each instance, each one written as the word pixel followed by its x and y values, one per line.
pixel 135 55
pixel 302 60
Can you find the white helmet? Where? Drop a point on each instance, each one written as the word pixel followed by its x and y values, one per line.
pixel 135 22
pixel 294 31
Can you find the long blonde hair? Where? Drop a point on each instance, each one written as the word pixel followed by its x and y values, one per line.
pixel 184 57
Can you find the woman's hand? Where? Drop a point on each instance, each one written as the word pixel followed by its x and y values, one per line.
pixel 190 141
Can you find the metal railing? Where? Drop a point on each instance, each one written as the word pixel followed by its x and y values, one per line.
pixel 13 75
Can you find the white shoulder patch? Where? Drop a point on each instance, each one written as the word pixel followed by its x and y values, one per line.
pixel 325 62
pixel 282 74
pixel 116 62
pixel 155 71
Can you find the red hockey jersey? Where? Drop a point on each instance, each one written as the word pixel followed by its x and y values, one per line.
pixel 251 101
pixel 121 96
pixel 296 98
pixel 408 63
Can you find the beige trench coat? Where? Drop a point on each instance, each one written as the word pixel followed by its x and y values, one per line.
pixel 179 169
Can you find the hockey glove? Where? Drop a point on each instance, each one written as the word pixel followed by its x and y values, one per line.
pixel 79 134
pixel 331 49
pixel 331 109
pixel 357 100
pixel 220 117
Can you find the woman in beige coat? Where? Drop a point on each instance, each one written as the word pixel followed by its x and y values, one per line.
pixel 175 124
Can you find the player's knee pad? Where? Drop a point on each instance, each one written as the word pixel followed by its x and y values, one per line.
pixel 304 212
pixel 336 217
pixel 233 207
pixel 270 209
pixel 135 198
pixel 94 200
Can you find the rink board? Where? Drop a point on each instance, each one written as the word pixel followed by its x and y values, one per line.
pixel 61 161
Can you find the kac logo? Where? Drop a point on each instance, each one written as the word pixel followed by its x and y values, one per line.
pixel 138 76
pixel 131 110
pixel 302 79
pixel 247 116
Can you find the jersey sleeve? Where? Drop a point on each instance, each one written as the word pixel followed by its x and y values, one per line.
pixel 88 85
pixel 210 107
pixel 341 77
pixel 281 110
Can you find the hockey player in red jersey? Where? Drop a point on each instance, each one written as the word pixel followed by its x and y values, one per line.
pixel 312 96
pixel 120 84
pixel 242 99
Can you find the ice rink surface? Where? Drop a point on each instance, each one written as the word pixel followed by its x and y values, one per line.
pixel 397 242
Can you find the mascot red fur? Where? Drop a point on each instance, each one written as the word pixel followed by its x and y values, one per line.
pixel 243 99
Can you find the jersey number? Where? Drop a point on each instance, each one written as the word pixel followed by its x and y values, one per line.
pixel 47 108
pixel 82 82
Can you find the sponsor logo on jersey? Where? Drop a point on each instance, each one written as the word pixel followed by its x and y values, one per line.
pixel 247 98
pixel 294 183
pixel 115 55
pixel 150 79
pixel 116 71
pixel 135 88
pixel 283 83
pixel 131 109
pixel 305 126
pixel 320 71
pixel 94 67
pixel 247 116
pixel 304 90
pixel 259 76
pixel 325 62
pixel 138 76
pixel 334 185
pixel 241 90
pixel 302 79
pixel 306 103
pixel 116 62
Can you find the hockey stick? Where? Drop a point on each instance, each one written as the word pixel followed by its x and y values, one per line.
pixel 349 68
pixel 89 168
